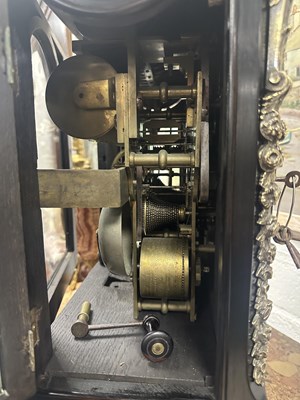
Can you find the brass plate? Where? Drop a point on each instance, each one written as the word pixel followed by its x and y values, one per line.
pixel 64 110
pixel 164 268
pixel 83 188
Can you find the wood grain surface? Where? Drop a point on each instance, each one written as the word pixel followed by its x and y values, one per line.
pixel 116 355
pixel 283 371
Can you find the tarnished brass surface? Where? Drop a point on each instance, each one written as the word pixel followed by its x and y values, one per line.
pixel 95 95
pixel 162 160
pixel 198 126
pixel 158 348
pixel 80 327
pixel 134 261
pixel 122 107
pixel 82 188
pixel 132 80
pixel 159 214
pixel 163 92
pixel 84 314
pixel 77 121
pixel 164 306
pixel 164 268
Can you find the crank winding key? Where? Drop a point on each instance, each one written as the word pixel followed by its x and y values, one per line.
pixel 156 345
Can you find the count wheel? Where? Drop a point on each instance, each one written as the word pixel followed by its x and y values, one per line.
pixel 157 346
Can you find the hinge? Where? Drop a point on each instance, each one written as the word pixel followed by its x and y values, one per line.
pixel 35 314
pixel 3 393
pixel 7 52
pixel 30 350
pixel 33 337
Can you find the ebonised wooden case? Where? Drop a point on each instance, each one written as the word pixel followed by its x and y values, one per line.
pixel 214 362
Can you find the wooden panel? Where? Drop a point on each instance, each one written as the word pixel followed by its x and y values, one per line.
pixel 107 390
pixel 116 355
pixel 23 289
pixel 21 20
pixel 237 193
pixel 83 188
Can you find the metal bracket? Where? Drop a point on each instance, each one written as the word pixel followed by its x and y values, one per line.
pixel 122 106
pixel 9 67
pixel 83 188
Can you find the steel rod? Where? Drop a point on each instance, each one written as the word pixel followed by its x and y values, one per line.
pixel 114 326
